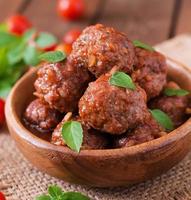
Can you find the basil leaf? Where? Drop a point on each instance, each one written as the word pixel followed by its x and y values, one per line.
pixel 4 63
pixel 15 55
pixel 5 88
pixel 142 45
pixel 46 40
pixel 122 80
pixel 75 196
pixel 43 197
pixel 175 92
pixel 31 55
pixel 6 39
pixel 55 192
pixel 28 34
pixel 72 133
pixel 3 27
pixel 52 56
pixel 163 119
pixel 15 72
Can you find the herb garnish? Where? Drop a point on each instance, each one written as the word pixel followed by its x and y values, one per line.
pixel 56 193
pixel 7 39
pixel 45 40
pixel 53 56
pixel 72 133
pixel 17 53
pixel 163 119
pixel 142 45
pixel 175 92
pixel 3 27
pixel 122 80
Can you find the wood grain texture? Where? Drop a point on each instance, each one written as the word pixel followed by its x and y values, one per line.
pixel 44 16
pixel 140 19
pixel 100 168
pixel 184 21
pixel 9 7
pixel 146 20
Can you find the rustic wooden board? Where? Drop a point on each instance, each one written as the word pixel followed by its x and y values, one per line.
pixel 44 16
pixel 184 21
pixel 8 7
pixel 141 19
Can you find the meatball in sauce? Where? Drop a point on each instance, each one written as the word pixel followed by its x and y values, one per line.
pixel 61 85
pixel 92 139
pixel 100 48
pixel 174 106
pixel 41 117
pixel 150 71
pixel 110 108
pixel 147 131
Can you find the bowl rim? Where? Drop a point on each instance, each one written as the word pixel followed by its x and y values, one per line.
pixel 15 124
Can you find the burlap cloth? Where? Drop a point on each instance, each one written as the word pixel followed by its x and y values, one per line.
pixel 19 180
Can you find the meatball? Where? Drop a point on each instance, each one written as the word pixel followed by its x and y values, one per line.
pixel 147 131
pixel 99 48
pixel 110 108
pixel 92 139
pixel 150 71
pixel 174 106
pixel 41 117
pixel 61 85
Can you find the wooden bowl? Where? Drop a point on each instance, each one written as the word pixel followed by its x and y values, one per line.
pixel 100 168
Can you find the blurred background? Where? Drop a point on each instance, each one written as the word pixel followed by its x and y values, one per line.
pixel 151 21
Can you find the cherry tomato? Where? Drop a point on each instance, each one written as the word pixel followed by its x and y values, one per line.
pixel 50 48
pixel 2 197
pixel 71 36
pixel 2 113
pixel 18 24
pixel 66 48
pixel 71 9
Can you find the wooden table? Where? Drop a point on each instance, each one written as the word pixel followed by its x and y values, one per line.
pixel 151 21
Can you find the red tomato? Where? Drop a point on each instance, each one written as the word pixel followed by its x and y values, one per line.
pixel 2 197
pixel 71 9
pixel 50 48
pixel 71 36
pixel 18 24
pixel 2 114
pixel 66 48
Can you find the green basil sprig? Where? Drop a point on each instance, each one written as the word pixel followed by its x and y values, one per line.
pixel 163 119
pixel 175 92
pixel 7 39
pixel 3 27
pixel 138 43
pixel 44 40
pixel 53 56
pixel 56 193
pixel 17 53
pixel 121 79
pixel 72 133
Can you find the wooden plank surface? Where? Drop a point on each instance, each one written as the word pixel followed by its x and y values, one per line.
pixel 149 21
pixel 43 15
pixel 184 21
pixel 8 7
pixel 141 19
